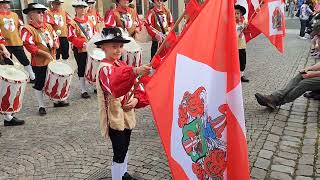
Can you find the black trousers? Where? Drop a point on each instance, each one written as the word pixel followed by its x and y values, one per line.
pixel 81 59
pixel 19 53
pixel 243 59
pixel 120 143
pixel 6 61
pixel 154 48
pixel 41 73
pixel 63 50
pixel 303 24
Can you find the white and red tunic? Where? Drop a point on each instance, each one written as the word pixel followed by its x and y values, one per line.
pixel 116 81
pixel 153 25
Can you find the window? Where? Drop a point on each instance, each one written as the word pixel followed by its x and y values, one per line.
pixel 16 7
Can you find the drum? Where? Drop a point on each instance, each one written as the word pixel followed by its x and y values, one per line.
pixel 12 87
pixel 133 53
pixel 58 80
pixel 96 55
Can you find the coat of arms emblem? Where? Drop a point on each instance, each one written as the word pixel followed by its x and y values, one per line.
pixel 127 20
pixel 277 19
pixel 9 24
pixel 202 135
pixel 58 20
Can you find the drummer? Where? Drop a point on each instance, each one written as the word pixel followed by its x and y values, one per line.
pixel 35 35
pixel 80 32
pixel 126 17
pixel 61 19
pixel 9 119
pixel 10 27
pixel 158 30
pixel 93 14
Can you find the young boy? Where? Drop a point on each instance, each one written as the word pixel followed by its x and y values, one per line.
pixel 241 25
pixel 80 32
pixel 115 82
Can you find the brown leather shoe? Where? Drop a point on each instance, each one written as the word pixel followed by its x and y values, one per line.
pixel 266 100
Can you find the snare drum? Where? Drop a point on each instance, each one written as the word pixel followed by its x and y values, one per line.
pixel 58 80
pixel 12 87
pixel 96 55
pixel 133 53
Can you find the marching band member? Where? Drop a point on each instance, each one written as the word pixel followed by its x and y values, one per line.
pixel 10 26
pixel 41 41
pixel 80 32
pixel 109 20
pixel 9 119
pixel 240 11
pixel 159 23
pixel 115 80
pixel 126 17
pixel 93 14
pixel 60 19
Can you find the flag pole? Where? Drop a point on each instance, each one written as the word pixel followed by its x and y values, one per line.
pixel 158 51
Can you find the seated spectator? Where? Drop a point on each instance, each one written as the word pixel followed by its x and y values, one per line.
pixel 308 79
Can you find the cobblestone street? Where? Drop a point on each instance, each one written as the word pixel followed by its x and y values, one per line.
pixel 66 144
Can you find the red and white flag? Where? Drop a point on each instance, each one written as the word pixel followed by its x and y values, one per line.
pixel 252 7
pixel 196 99
pixel 271 22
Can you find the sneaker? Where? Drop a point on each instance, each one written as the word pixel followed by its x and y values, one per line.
pixel 85 95
pixel 127 176
pixel 244 79
pixel 266 100
pixel 303 38
pixel 61 104
pixel 95 91
pixel 42 111
pixel 14 122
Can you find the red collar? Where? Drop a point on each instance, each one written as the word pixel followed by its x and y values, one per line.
pixel 5 12
pixel 115 63
pixel 37 25
pixel 161 10
pixel 123 9
pixel 81 20
pixel 56 11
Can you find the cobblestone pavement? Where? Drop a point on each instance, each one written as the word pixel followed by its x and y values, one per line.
pixel 66 144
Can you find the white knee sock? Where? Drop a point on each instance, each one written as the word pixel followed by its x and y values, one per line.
pixel 39 96
pixel 30 71
pixel 125 164
pixel 116 171
pixel 241 73
pixel 8 116
pixel 83 85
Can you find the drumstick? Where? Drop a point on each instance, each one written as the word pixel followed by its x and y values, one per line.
pixel 158 51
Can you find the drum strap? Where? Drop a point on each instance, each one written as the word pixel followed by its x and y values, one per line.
pixel 160 22
pixel 82 30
